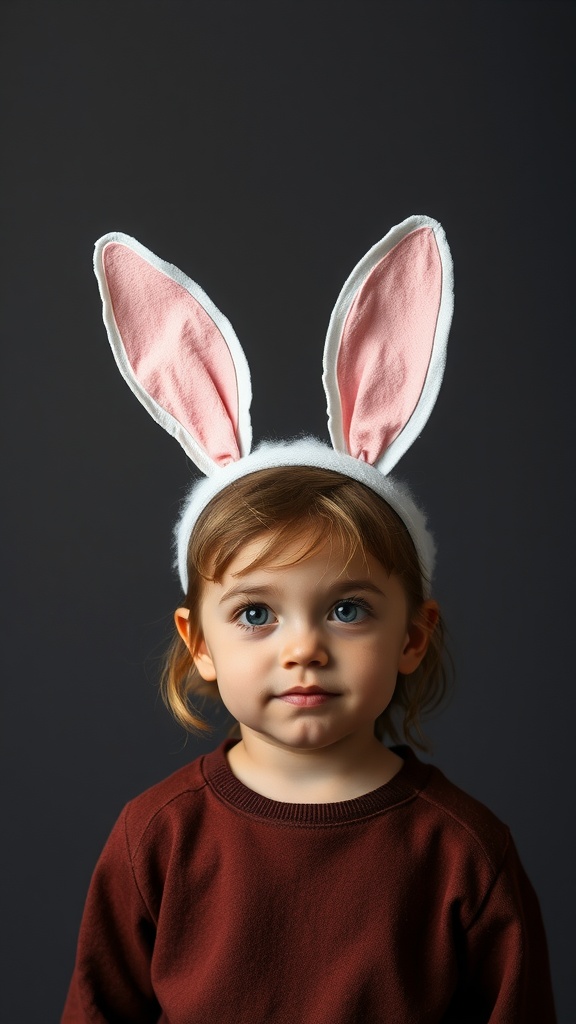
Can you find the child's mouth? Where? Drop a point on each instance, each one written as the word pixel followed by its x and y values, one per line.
pixel 307 698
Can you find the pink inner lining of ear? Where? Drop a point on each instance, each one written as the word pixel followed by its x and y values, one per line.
pixel 387 343
pixel 175 350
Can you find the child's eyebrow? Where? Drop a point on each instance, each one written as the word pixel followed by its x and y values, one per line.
pixel 359 584
pixel 255 591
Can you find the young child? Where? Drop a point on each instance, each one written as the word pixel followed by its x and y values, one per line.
pixel 304 871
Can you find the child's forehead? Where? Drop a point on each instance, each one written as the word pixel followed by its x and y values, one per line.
pixel 272 552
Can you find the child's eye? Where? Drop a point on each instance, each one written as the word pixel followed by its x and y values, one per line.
pixel 254 615
pixel 350 611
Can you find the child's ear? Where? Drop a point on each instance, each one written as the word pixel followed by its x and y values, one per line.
pixel 204 663
pixel 420 631
pixel 201 654
pixel 181 621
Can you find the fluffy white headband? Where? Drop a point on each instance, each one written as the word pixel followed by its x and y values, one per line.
pixel 383 364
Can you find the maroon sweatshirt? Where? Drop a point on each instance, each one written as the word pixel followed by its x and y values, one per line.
pixel 407 905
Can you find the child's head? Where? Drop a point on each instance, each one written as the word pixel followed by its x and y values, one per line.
pixel 303 510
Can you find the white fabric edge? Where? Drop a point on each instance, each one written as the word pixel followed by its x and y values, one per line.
pixel 306 452
pixel 172 426
pixel 437 360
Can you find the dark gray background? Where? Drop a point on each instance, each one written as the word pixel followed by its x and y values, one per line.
pixel 263 147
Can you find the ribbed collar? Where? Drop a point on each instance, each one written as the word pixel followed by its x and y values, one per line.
pixel 405 785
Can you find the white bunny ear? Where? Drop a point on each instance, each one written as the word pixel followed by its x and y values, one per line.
pixel 177 352
pixel 386 344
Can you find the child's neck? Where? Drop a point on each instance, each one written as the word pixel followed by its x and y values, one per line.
pixel 324 775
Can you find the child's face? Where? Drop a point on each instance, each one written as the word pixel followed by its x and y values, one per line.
pixel 306 654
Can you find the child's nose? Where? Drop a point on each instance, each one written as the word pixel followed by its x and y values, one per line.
pixel 304 645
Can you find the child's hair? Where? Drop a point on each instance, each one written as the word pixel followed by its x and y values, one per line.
pixel 317 506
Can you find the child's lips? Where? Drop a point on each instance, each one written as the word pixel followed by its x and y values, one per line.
pixel 306 696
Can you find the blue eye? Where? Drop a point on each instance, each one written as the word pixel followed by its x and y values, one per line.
pixel 349 611
pixel 255 615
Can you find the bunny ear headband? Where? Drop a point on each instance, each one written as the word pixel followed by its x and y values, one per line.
pixel 383 363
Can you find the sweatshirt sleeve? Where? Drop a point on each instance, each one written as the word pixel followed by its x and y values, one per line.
pixel 507 954
pixel 111 979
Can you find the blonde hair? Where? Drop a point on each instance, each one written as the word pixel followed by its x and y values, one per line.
pixel 293 503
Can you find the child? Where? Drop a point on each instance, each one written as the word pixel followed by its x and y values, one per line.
pixel 304 872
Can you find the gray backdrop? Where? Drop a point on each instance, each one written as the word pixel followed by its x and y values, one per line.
pixel 263 147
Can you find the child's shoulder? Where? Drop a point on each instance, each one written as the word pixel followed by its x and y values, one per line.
pixel 174 798
pixel 460 816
